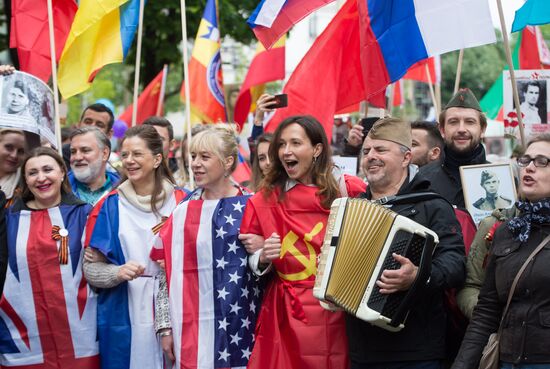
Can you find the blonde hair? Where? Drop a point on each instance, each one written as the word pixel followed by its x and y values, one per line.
pixel 220 140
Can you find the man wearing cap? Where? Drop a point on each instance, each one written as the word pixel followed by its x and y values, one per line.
pixel 462 125
pixel 492 200
pixel 421 344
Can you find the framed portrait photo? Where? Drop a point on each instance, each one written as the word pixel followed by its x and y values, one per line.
pixel 487 187
pixel 534 102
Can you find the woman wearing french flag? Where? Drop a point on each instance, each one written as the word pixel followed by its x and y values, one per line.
pixel 291 211
pixel 119 237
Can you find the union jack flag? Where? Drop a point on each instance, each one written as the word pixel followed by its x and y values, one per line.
pixel 48 311
pixel 214 298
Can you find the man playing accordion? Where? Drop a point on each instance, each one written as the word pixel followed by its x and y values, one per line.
pixel 386 162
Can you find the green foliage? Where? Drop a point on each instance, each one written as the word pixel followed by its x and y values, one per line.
pixel 481 66
pixel 545 31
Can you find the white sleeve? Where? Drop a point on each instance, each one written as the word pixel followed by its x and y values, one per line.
pixel 254 264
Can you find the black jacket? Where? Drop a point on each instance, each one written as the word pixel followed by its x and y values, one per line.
pixel 526 332
pixel 423 337
pixel 444 176
pixel 3 242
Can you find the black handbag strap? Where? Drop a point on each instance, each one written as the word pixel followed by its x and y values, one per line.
pixel 516 279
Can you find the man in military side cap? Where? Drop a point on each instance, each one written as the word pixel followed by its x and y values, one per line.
pixel 462 125
pixel 492 200
pixel 421 344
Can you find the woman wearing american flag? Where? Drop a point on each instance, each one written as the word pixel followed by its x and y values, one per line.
pixel 213 298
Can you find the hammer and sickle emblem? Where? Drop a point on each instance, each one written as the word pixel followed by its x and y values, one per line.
pixel 309 262
pixel 156 89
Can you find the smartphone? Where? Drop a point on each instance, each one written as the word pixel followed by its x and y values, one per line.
pixel 279 101
pixel 367 124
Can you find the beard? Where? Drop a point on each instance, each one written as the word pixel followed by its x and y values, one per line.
pixel 423 160
pixel 474 142
pixel 89 173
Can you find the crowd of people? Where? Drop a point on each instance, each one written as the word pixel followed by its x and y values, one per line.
pixel 123 265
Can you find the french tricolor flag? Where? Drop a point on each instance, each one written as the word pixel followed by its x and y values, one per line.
pixel 273 18
pixel 398 33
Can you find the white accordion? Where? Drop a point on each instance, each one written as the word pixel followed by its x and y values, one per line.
pixel 359 242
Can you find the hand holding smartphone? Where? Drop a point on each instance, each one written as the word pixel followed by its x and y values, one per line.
pixel 367 124
pixel 279 101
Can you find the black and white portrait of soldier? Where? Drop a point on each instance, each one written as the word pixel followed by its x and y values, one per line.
pixel 492 200
pixel 533 101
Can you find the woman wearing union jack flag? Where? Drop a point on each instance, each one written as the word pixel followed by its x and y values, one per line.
pixel 47 311
pixel 213 298
pixel 290 211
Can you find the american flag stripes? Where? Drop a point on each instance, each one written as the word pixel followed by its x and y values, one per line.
pixel 214 298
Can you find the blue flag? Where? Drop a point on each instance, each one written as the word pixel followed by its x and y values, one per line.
pixel 533 12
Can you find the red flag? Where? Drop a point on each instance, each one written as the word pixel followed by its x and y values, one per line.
pixel 150 102
pixel 397 94
pixel 329 78
pixel 29 33
pixel 418 71
pixel 533 52
pixel 243 172
pixel 267 65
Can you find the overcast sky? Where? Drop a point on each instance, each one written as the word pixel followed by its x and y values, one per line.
pixel 509 8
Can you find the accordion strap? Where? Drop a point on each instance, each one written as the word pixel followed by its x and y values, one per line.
pixel 410 198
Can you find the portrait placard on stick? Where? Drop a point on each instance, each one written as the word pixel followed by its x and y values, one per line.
pixel 534 102
pixel 26 103
pixel 487 187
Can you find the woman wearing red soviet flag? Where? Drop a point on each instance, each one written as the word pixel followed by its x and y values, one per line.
pixel 290 211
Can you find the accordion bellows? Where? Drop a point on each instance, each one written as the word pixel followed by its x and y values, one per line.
pixel 358 246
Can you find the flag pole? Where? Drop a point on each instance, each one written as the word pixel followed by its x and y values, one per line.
pixel 228 119
pixel 138 62
pixel 431 87
pixel 438 78
pixel 458 71
pixel 512 73
pixel 160 103
pixel 390 98
pixel 438 95
pixel 57 119
pixel 187 89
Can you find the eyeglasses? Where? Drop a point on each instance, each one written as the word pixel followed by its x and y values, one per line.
pixel 539 161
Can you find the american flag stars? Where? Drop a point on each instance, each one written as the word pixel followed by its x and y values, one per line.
pixel 237 293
